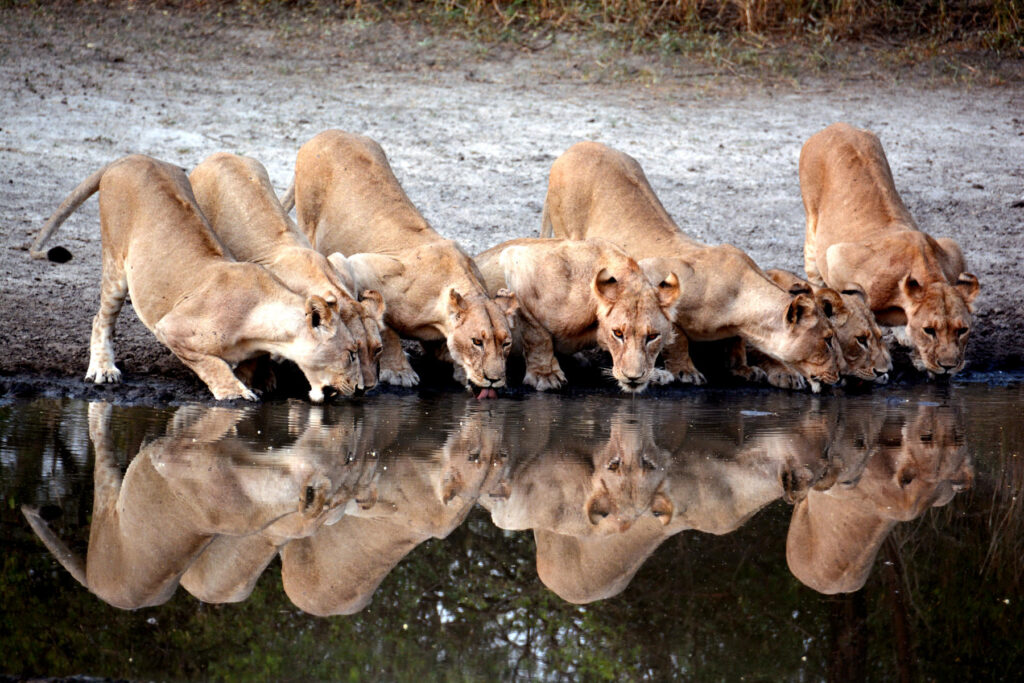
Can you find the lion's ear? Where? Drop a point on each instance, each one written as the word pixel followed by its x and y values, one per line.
pixel 373 303
pixel 968 286
pixel 668 291
pixel 318 313
pixel 789 282
pixel 911 287
pixel 508 303
pixel 800 308
pixel 832 305
pixel 854 289
pixel 662 508
pixel 457 305
pixel 606 287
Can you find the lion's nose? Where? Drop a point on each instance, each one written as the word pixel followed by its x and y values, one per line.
pixel 492 380
pixel 947 366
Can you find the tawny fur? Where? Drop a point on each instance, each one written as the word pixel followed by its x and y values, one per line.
pixel 348 200
pixel 235 195
pixel 578 294
pixel 862 347
pixel 861 236
pixel 209 310
pixel 595 191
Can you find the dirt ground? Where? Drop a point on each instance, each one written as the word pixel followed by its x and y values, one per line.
pixel 471 132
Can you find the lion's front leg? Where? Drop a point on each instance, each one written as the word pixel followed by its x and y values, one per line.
pixel 394 364
pixel 738 363
pixel 678 361
pixel 542 369
pixel 212 369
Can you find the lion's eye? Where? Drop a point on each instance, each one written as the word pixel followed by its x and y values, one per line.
pixel 653 336
pixel 961 331
pixel 657 513
pixel 507 344
pixel 862 340
pixel 352 356
pixel 617 334
pixel 478 342
pixel 930 331
pixel 377 351
pixel 828 341
pixel 646 464
pixel 613 465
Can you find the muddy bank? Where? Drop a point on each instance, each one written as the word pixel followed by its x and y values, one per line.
pixel 471 132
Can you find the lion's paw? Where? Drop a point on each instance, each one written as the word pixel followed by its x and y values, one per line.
pixel 660 376
pixel 694 377
pixel 545 380
pixel 786 380
pixel 103 374
pixel 400 378
pixel 750 373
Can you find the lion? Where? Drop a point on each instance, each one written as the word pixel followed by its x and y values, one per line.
pixel 862 347
pixel 178 494
pixel 575 294
pixel 235 195
pixel 210 311
pixel 423 494
pixel 584 481
pixel 860 235
pixel 348 200
pixel 919 462
pixel 595 191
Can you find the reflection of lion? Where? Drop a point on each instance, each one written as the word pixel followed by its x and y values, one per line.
pixel 348 200
pixel 211 312
pixel 861 347
pixel 861 236
pixel 573 294
pixel 835 534
pixel 235 195
pixel 594 191
pixel 178 494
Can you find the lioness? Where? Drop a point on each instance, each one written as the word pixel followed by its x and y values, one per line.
pixel 575 294
pixel 348 200
pixel 208 310
pixel 595 191
pixel 863 351
pixel 859 233
pixel 918 463
pixel 235 195
pixel 179 493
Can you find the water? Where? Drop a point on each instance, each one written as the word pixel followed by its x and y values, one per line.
pixel 756 535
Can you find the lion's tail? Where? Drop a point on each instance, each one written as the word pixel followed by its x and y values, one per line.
pixel 73 563
pixel 288 200
pixel 546 228
pixel 85 189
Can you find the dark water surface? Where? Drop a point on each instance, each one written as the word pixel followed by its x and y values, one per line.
pixel 713 536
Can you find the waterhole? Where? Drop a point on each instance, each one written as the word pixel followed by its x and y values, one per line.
pixel 753 535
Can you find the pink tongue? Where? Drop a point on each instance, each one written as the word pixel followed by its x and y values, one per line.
pixel 487 393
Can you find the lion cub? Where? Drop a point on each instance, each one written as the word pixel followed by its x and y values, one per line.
pixel 862 349
pixel 235 195
pixel 595 191
pixel 210 311
pixel 575 294
pixel 348 200
pixel 861 236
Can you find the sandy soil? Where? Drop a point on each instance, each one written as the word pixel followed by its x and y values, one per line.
pixel 471 132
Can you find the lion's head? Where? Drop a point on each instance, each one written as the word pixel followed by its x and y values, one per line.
pixel 939 321
pixel 805 334
pixel 861 346
pixel 365 319
pixel 326 352
pixel 628 480
pixel 480 335
pixel 633 321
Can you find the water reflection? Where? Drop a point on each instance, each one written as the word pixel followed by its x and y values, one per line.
pixel 343 493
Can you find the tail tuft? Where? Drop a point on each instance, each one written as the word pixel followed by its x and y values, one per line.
pixel 58 255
